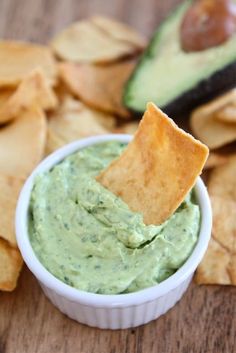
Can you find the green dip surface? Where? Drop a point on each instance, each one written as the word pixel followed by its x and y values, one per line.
pixel 88 238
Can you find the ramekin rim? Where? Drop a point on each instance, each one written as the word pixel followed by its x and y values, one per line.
pixel 104 300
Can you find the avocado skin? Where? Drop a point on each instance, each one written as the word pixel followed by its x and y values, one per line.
pixel 215 85
pixel 218 83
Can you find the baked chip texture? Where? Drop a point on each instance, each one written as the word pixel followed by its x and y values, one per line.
pixel 10 266
pixel 18 59
pixel 214 123
pixel 97 40
pixel 22 143
pixel 218 265
pixel 10 187
pixel 33 91
pixel 157 169
pixel 100 87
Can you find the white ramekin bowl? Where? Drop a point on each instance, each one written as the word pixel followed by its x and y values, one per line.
pixel 109 311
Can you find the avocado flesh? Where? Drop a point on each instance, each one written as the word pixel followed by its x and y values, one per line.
pixel 170 77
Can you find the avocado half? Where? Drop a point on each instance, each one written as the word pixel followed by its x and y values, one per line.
pixel 177 81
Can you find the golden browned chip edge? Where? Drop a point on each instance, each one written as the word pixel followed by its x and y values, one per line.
pixel 157 135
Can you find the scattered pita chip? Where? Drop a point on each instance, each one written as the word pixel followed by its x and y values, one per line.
pixel 34 91
pixel 18 59
pixel 10 187
pixel 219 103
pixel 61 91
pixel 22 143
pixel 10 266
pixel 226 114
pixel 127 128
pixel 72 122
pixel 5 94
pixel 106 120
pixel 53 142
pixel 100 87
pixel 215 266
pixel 157 169
pixel 211 131
pixel 97 40
pixel 120 31
pixel 224 222
pixel 215 160
pixel 218 265
pixel 222 181
pixel 232 269
pixel 74 125
pixel 70 104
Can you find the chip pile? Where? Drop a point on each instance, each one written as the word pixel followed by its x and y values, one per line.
pixel 23 136
pixel 52 95
pixel 215 124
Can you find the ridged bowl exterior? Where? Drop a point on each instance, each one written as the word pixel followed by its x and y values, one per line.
pixel 120 317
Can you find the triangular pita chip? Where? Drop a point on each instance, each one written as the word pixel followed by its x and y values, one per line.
pixel 34 91
pixel 215 160
pixel 227 114
pixel 119 31
pixel 214 268
pixel 127 128
pixel 220 102
pixel 101 87
pixel 70 104
pixel 232 269
pixel 224 107
pixel 53 142
pixel 18 59
pixel 222 180
pixel 10 266
pixel 218 265
pixel 97 40
pixel 22 143
pixel 210 130
pixel 5 94
pixel 10 187
pixel 157 169
pixel 224 222
pixel 72 122
pixel 61 91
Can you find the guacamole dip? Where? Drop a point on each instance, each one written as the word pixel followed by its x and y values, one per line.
pixel 87 237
